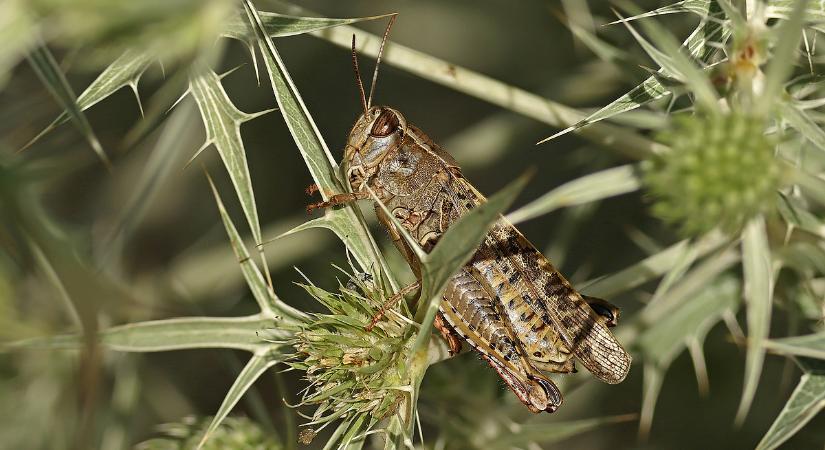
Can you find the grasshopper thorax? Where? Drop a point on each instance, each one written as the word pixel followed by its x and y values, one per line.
pixel 377 133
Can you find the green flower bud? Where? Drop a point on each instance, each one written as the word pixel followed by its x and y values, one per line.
pixel 351 371
pixel 719 172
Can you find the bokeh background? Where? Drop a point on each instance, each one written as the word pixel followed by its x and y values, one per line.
pixel 165 253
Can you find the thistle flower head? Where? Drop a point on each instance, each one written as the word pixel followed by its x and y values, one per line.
pixel 720 171
pixel 234 433
pixel 356 375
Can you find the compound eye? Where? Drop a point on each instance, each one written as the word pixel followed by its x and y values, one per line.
pixel 386 123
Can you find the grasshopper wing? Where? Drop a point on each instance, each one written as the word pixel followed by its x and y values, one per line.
pixel 590 340
pixel 520 275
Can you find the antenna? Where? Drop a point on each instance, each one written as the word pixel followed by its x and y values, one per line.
pixel 358 76
pixel 378 59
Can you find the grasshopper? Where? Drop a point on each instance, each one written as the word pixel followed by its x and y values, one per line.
pixel 509 303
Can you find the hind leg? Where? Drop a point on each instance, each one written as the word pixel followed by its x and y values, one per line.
pixel 397 297
pixel 449 335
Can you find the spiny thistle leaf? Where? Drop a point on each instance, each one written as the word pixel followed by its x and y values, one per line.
pixel 662 342
pixel 799 120
pixel 809 345
pixel 806 401
pixel 124 71
pixel 775 9
pixel 550 433
pixel 49 72
pixel 222 121
pixel 298 119
pixel 268 301
pixel 783 58
pixel 652 89
pixel 259 363
pixel 279 25
pixel 679 64
pixel 651 267
pixel 346 222
pixel 692 283
pixel 589 188
pixel 795 215
pixel 127 69
pixel 169 334
pixel 758 290
pixel 699 7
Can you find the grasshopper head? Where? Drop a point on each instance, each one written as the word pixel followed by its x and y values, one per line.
pixel 376 133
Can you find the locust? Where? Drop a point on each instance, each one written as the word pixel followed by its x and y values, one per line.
pixel 508 302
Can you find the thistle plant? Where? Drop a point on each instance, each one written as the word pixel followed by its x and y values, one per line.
pixel 724 154
pixel 725 169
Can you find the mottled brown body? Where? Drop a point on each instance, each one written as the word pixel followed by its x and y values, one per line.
pixel 508 302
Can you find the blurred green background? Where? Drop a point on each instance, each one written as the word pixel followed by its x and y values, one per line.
pixel 123 257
